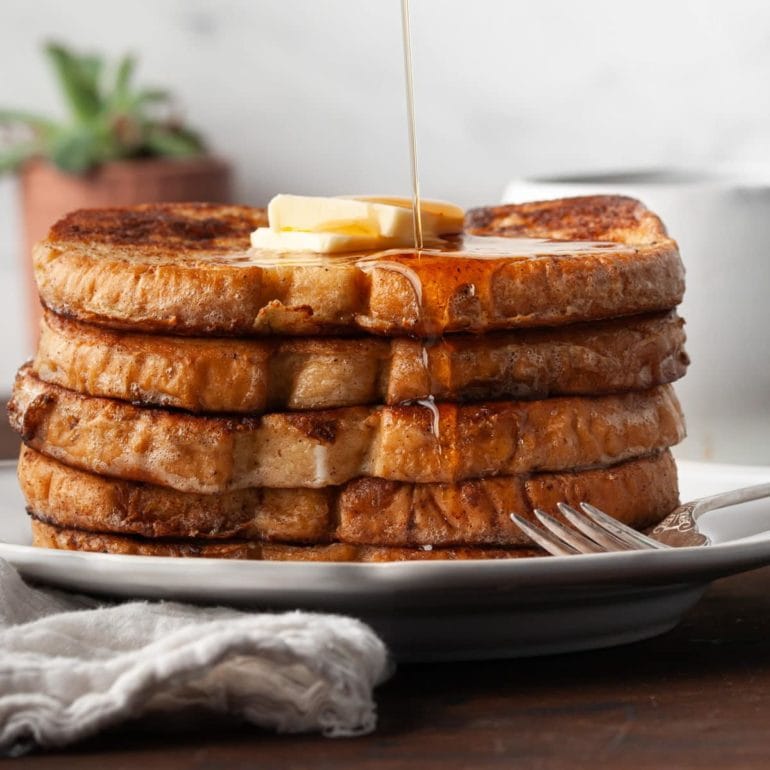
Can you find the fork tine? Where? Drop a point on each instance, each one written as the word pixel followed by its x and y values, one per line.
pixel 619 529
pixel 577 540
pixel 607 540
pixel 545 540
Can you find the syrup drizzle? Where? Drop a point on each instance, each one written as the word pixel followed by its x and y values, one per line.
pixel 321 460
pixel 407 263
pixel 429 402
pixel 465 246
pixel 396 267
pixel 480 247
pixel 409 82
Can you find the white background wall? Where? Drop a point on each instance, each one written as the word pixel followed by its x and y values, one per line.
pixel 307 95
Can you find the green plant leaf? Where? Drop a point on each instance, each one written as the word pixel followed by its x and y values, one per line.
pixel 176 143
pixel 91 68
pixel 123 76
pixel 79 79
pixel 111 119
pixel 29 119
pixel 78 150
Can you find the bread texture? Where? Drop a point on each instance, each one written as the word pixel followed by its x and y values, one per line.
pixel 323 373
pixel 437 443
pixel 195 397
pixel 187 269
pixel 50 536
pixel 611 218
pixel 365 511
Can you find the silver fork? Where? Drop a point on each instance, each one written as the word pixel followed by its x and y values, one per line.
pixel 594 531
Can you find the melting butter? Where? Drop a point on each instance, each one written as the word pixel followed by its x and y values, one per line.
pixel 339 225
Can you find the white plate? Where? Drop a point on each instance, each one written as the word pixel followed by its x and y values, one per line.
pixel 437 610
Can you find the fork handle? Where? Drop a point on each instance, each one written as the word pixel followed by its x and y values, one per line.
pixel 725 499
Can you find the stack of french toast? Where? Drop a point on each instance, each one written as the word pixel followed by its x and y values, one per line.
pixel 194 396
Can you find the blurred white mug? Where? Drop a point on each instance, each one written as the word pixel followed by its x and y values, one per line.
pixel 721 220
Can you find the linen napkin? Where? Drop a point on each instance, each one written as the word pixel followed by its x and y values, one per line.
pixel 70 666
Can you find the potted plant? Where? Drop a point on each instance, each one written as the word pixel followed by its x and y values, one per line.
pixel 119 145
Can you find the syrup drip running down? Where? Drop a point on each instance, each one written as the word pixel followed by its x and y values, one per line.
pixel 430 404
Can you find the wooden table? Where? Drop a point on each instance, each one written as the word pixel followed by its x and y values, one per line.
pixel 698 697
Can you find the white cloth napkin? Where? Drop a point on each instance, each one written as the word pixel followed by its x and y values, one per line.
pixel 70 666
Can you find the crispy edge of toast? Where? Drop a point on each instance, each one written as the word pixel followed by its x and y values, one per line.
pixel 50 536
pixel 590 217
pixel 324 373
pixel 435 444
pixel 368 511
pixel 109 284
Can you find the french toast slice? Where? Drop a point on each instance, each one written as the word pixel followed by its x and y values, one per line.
pixel 367 511
pixel 50 536
pixel 431 443
pixel 187 269
pixel 322 373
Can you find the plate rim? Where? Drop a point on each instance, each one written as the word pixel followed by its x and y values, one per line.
pixel 677 565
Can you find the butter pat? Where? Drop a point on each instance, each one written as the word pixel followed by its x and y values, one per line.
pixel 330 225
pixel 320 243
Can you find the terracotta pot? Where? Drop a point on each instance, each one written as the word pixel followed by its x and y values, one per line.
pixel 47 194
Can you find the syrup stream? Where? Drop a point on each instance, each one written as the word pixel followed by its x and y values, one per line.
pixel 429 402
pixel 407 39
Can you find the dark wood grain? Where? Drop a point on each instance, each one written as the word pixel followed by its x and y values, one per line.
pixel 698 697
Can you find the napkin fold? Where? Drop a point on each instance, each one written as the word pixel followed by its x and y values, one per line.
pixel 71 665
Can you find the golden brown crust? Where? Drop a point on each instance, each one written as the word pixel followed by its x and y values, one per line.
pixel 590 217
pixel 181 227
pixel 191 278
pixel 315 449
pixel 73 498
pixel 50 536
pixel 323 373
pixel 366 511
pixel 638 492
